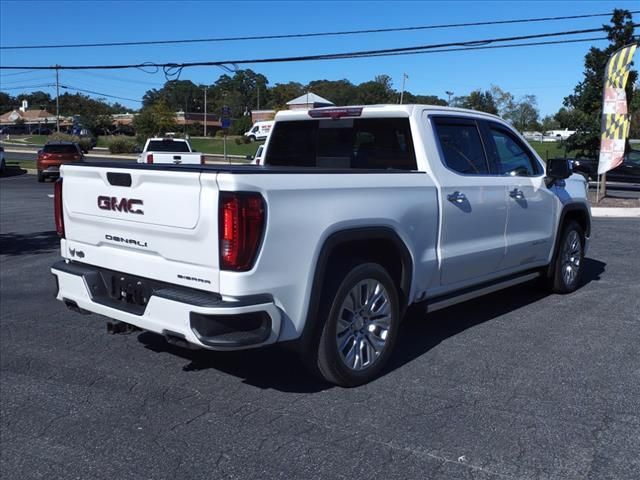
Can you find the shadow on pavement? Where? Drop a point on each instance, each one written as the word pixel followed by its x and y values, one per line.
pixel 28 243
pixel 280 369
pixel 12 171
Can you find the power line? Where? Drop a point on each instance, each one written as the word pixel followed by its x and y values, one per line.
pixel 307 35
pixel 16 73
pixel 31 79
pixel 70 87
pixel 489 47
pixel 29 86
pixel 173 69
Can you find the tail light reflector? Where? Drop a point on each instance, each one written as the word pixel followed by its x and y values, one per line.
pixel 150 158
pixel 241 226
pixel 57 207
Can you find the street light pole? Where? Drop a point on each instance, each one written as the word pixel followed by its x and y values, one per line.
pixel 449 93
pixel 205 111
pixel 58 98
pixel 404 77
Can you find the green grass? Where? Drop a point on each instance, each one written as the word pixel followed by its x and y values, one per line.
pixel 21 163
pixel 550 149
pixel 215 145
pixel 35 139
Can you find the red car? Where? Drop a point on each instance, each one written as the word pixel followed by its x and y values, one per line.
pixel 55 154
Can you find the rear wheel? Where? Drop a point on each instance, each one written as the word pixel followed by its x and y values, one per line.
pixel 40 176
pixel 569 260
pixel 361 319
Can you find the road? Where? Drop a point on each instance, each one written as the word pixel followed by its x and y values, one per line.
pixel 517 385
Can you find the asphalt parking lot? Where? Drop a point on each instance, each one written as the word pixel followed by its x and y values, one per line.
pixel 518 384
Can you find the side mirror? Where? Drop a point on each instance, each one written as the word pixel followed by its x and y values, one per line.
pixel 558 169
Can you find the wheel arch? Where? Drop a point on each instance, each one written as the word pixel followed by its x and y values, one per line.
pixel 365 243
pixel 572 211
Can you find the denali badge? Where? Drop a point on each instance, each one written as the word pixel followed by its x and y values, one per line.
pixel 193 279
pixel 129 241
pixel 127 205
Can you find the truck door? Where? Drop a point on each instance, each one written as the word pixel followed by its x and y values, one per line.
pixel 530 204
pixel 474 210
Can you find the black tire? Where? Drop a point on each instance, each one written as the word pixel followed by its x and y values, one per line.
pixel 252 138
pixel 559 281
pixel 327 361
pixel 41 177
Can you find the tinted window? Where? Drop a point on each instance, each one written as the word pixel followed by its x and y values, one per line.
pixel 167 146
pixel 375 143
pixel 61 149
pixel 512 157
pixel 461 147
pixel 633 157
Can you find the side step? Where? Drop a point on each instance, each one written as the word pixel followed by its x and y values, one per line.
pixel 445 301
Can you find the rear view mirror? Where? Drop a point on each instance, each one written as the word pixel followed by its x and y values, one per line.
pixel 558 169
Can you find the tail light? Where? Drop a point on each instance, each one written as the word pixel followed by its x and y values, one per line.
pixel 201 159
pixel 57 207
pixel 241 225
pixel 150 158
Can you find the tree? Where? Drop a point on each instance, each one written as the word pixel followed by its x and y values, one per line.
pixel 523 114
pixel 586 100
pixel 478 100
pixel 340 92
pixel 549 123
pixel 503 100
pixel 7 102
pixel 378 90
pixel 281 93
pixel 155 119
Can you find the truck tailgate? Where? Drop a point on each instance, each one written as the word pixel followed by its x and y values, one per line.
pixel 152 223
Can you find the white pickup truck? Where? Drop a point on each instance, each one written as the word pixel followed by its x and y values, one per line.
pixel 356 214
pixel 169 150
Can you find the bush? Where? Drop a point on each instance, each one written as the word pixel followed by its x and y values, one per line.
pixel 84 142
pixel 123 145
pixel 220 133
pixel 239 140
pixel 241 125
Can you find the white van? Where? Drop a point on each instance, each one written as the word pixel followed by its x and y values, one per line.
pixel 259 131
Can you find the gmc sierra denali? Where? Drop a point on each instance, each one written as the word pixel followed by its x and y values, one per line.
pixel 356 214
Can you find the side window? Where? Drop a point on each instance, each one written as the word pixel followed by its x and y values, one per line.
pixel 461 146
pixel 512 157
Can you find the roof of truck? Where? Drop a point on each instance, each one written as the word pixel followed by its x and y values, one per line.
pixel 380 110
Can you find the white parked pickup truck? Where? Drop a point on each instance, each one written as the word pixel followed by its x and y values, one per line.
pixel 356 214
pixel 169 150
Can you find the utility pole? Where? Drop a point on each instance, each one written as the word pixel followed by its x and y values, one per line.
pixel 58 98
pixel 450 94
pixel 404 77
pixel 258 97
pixel 205 111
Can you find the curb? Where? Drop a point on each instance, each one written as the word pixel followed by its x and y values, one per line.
pixel 605 212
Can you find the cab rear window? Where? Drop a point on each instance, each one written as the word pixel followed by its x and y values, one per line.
pixel 365 143
pixel 60 149
pixel 167 146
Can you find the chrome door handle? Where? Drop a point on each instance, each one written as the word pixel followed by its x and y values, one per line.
pixel 517 194
pixel 457 197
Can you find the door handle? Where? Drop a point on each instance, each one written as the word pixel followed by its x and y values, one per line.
pixel 457 197
pixel 517 194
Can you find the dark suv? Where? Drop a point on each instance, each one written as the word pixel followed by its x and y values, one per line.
pixel 54 154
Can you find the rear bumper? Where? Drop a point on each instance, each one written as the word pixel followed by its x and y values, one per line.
pixel 197 317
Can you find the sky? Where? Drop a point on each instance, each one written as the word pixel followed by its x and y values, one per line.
pixel 548 72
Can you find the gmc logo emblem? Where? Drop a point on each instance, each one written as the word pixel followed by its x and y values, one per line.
pixel 127 205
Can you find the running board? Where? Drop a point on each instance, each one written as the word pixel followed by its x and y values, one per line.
pixel 468 294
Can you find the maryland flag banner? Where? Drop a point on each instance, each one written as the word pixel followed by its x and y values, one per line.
pixel 615 118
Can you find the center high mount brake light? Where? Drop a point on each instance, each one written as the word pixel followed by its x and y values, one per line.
pixel 336 113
